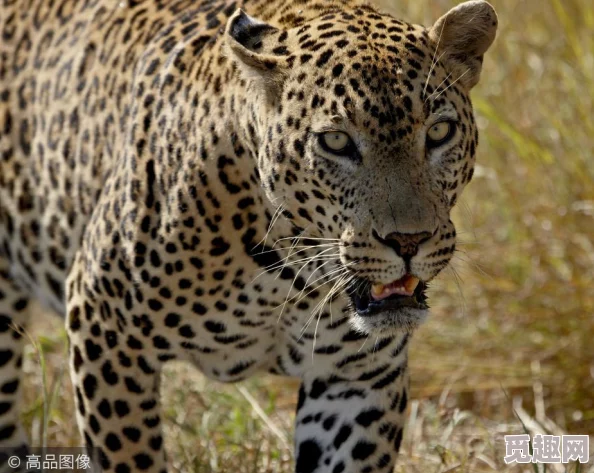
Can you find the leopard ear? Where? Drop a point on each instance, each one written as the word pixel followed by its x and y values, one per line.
pixel 249 42
pixel 464 34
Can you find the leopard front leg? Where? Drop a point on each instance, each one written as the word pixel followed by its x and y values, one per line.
pixel 13 319
pixel 352 424
pixel 116 380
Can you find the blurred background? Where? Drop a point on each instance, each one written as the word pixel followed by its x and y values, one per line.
pixel 510 344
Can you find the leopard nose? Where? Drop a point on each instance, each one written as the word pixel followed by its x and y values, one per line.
pixel 406 245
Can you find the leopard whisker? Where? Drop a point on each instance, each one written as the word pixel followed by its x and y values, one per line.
pixel 433 61
pixel 471 262
pixel 364 342
pixel 328 299
pixel 295 263
pixel 437 88
pixel 307 261
pixel 288 257
pixel 310 259
pixel 283 305
pixel 277 213
pixel 303 247
pixel 338 279
pixel 338 285
pixel 433 64
pixel 313 311
pixel 458 281
pixel 444 90
pixel 305 238
pixel 312 290
pixel 334 271
pixel 285 262
pixel 288 265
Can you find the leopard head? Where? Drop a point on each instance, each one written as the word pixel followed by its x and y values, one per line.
pixel 364 132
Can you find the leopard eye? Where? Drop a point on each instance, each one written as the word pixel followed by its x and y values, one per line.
pixel 335 141
pixel 440 133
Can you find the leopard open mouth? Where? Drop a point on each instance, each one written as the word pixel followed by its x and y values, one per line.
pixel 373 299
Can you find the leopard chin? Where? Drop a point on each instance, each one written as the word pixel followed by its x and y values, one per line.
pixel 400 305
pixel 405 319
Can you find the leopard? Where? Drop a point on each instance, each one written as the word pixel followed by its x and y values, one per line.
pixel 249 186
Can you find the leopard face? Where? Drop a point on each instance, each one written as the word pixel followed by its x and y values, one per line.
pixel 366 139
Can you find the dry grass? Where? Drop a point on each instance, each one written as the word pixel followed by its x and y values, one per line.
pixel 512 327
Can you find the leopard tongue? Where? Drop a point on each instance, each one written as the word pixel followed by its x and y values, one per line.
pixel 404 286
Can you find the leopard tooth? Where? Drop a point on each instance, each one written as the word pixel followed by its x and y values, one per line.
pixel 377 290
pixel 411 284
